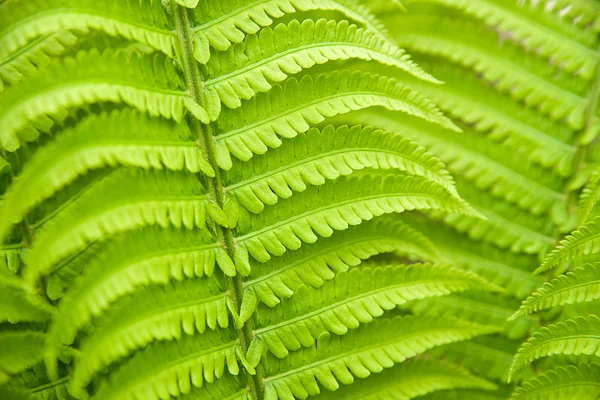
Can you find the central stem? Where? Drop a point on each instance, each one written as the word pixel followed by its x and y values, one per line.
pixel 205 138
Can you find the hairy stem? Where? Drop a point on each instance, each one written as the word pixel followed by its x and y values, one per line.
pixel 205 137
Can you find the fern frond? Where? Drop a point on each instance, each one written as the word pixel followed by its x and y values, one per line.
pixel 147 82
pixel 569 382
pixel 534 28
pixel 352 299
pixel 151 256
pixel 171 368
pixel 125 200
pixel 20 350
pixel 227 387
pixel 480 307
pixel 506 269
pixel 287 110
pixel 588 198
pixel 368 349
pixel 35 55
pixel 285 50
pixel 157 313
pixel 27 27
pixel 582 284
pixel 336 206
pixel 126 138
pixel 409 380
pixel 504 225
pixel 313 264
pixel 575 336
pixel 502 173
pixel 318 155
pixel 585 240
pixel 490 356
pixel 466 98
pixel 219 23
pixel 477 49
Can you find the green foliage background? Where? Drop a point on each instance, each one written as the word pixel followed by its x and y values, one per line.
pixel 270 199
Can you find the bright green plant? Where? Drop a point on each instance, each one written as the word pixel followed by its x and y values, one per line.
pixel 229 199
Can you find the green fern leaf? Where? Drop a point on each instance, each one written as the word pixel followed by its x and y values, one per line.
pixel 477 49
pixel 158 313
pixel 582 284
pixel 313 264
pixel 583 241
pixel 409 380
pixel 500 172
pixel 287 110
pixel 352 299
pixel 219 24
pixel 366 350
pixel 576 336
pixel 570 382
pixel 172 368
pixel 588 198
pixel 149 256
pixel 126 138
pixel 287 49
pixel 37 28
pixel 148 82
pixel 533 27
pixel 38 54
pixel 285 226
pixel 340 151
pixel 113 206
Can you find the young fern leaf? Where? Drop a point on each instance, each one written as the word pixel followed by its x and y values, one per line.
pixel 409 380
pixel 354 298
pixel 585 240
pixel 147 82
pixel 318 155
pixel 569 382
pixel 582 284
pixel 158 313
pixel 290 109
pixel 171 368
pixel 276 53
pixel 125 200
pixel 588 198
pixel 313 264
pixel 363 351
pixel 572 337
